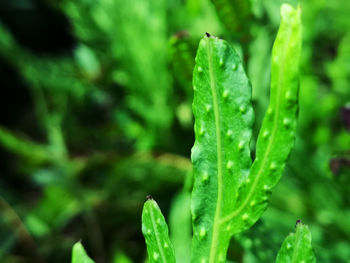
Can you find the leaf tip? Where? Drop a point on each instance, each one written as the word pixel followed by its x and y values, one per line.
pixel 289 13
pixel 77 245
pixel 298 222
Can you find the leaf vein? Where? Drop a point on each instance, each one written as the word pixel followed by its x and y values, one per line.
pixel 216 222
pixel 154 225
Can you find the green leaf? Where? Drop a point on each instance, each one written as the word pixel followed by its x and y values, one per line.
pixel 221 155
pixel 276 137
pixel 296 248
pixel 155 231
pixel 79 255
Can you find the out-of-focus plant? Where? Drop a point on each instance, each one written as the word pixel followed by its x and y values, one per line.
pixel 122 131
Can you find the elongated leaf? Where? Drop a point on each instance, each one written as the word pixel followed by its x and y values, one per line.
pixel 220 155
pixel 296 248
pixel 155 231
pixel 79 255
pixel 276 136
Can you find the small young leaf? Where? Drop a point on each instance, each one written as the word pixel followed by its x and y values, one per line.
pixel 296 248
pixel 155 231
pixel 276 136
pixel 79 255
pixel 221 154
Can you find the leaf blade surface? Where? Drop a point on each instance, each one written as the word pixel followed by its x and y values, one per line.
pixel 276 137
pixel 221 155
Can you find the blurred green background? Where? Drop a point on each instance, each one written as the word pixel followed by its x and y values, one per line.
pixel 96 114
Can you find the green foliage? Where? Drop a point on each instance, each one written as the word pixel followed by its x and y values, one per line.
pixel 297 247
pixel 155 231
pixel 120 257
pixel 79 255
pixel 23 147
pixel 181 54
pixel 146 62
pixel 277 132
pixel 221 154
pixel 142 60
pixel 235 15
pixel 228 195
pixel 96 114
pixel 180 218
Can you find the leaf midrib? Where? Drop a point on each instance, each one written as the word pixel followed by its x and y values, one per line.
pixel 214 241
pixel 296 244
pixel 154 225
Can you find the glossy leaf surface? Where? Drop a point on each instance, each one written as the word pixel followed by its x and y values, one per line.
pixel 276 137
pixel 155 231
pixel 297 247
pixel 221 155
